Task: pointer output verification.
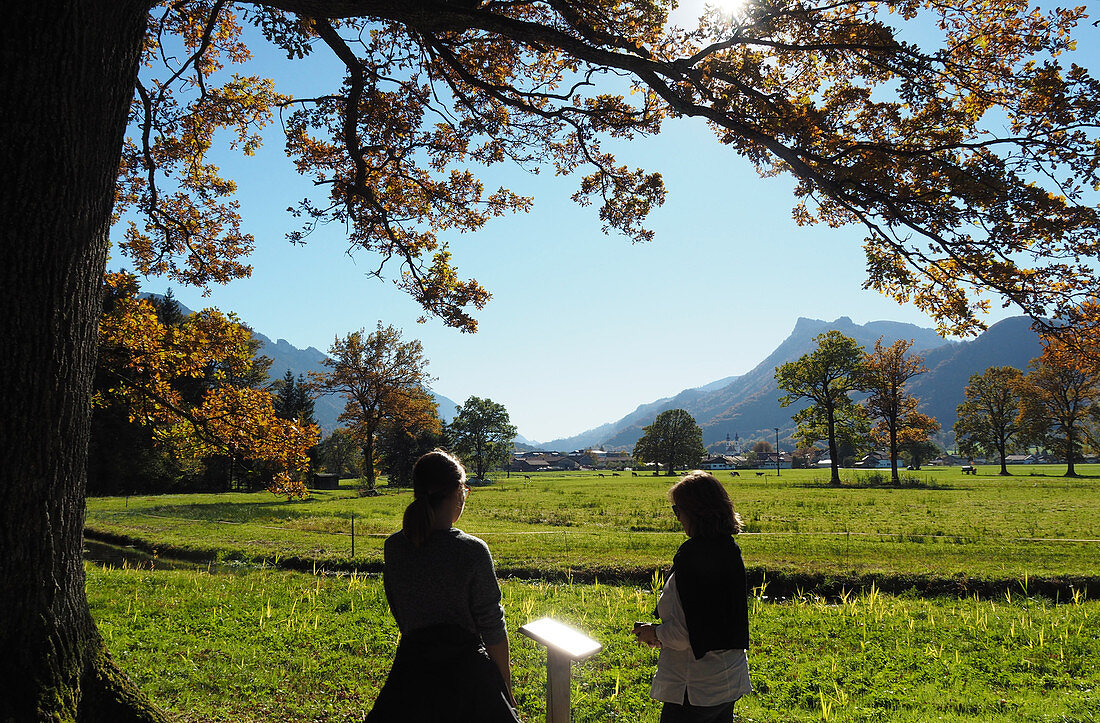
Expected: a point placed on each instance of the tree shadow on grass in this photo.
(1055, 476)
(880, 482)
(275, 509)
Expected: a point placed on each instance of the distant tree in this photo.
(400, 445)
(168, 309)
(481, 434)
(805, 457)
(674, 440)
(916, 451)
(826, 376)
(989, 418)
(763, 447)
(886, 371)
(232, 467)
(381, 378)
(123, 457)
(1058, 400)
(293, 399)
(339, 452)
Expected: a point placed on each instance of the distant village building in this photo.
(541, 461)
(529, 464)
(949, 460)
(874, 460)
(561, 462)
(727, 448)
(766, 460)
(722, 461)
(601, 459)
(614, 460)
(807, 457)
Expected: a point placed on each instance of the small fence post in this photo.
(353, 534)
(563, 645)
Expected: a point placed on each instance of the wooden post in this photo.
(558, 708)
(563, 645)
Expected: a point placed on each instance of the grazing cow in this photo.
(633, 474)
(526, 476)
(734, 474)
(759, 474)
(601, 474)
(614, 474)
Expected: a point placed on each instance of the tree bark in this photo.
(368, 461)
(69, 72)
(834, 463)
(894, 454)
(1071, 446)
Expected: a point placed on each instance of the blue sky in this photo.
(582, 327)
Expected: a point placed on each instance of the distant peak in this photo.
(805, 323)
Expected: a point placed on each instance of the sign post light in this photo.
(563, 645)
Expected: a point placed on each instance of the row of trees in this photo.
(185, 402)
(828, 376)
(390, 415)
(186, 399)
(1054, 405)
(480, 433)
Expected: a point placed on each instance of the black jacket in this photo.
(710, 578)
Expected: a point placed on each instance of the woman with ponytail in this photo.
(452, 663)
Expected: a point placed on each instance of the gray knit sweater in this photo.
(450, 579)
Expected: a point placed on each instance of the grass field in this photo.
(944, 529)
(258, 643)
(267, 645)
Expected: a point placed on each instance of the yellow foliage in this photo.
(966, 158)
(146, 361)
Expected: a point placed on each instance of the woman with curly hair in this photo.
(703, 635)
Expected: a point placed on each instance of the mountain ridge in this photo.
(748, 405)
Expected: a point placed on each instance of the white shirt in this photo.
(718, 677)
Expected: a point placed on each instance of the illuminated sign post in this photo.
(563, 645)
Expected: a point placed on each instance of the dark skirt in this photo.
(442, 673)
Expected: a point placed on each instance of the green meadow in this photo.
(951, 597)
(269, 645)
(941, 526)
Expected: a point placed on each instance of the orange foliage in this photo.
(886, 372)
(382, 379)
(147, 360)
(967, 159)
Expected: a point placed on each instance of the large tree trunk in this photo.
(1071, 447)
(834, 463)
(894, 454)
(68, 76)
(368, 463)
